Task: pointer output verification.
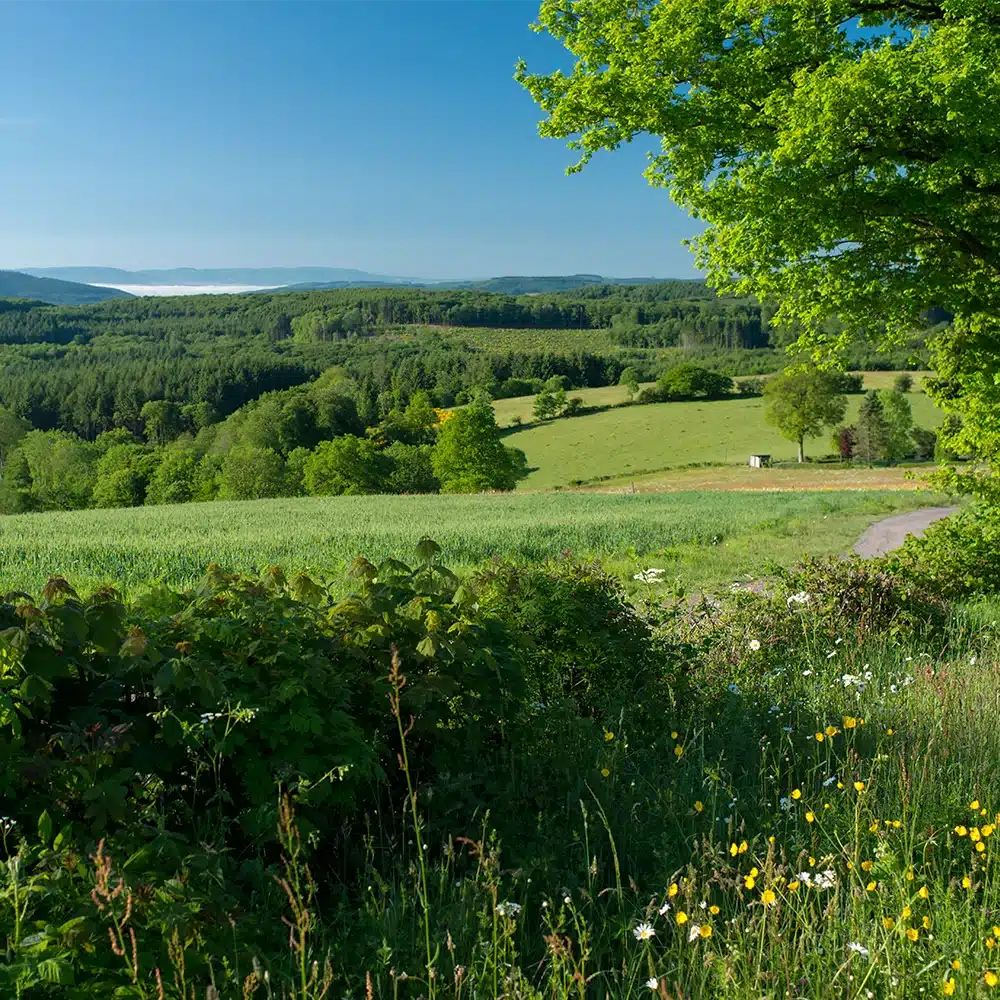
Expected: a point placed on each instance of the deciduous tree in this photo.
(801, 403)
(843, 155)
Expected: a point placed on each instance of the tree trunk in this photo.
(802, 455)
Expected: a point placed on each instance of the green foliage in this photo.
(692, 382)
(872, 431)
(346, 465)
(470, 457)
(957, 557)
(816, 199)
(801, 403)
(899, 425)
(903, 382)
(249, 472)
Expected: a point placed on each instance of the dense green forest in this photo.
(166, 400)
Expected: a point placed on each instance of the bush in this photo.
(692, 382)
(902, 383)
(750, 386)
(956, 557)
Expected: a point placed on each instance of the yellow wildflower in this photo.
(681, 918)
(604, 772)
(980, 846)
(810, 817)
(820, 737)
(733, 849)
(673, 735)
(850, 722)
(867, 866)
(991, 943)
(907, 912)
(870, 887)
(888, 923)
(927, 923)
(966, 882)
(678, 751)
(714, 910)
(859, 786)
(699, 806)
(874, 827)
(793, 886)
(608, 737)
(767, 897)
(796, 793)
(991, 979)
(974, 804)
(948, 987)
(705, 930)
(832, 730)
(956, 964)
(672, 891)
(923, 892)
(912, 933)
(974, 834)
(743, 847)
(962, 831)
(749, 881)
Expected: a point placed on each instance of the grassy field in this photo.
(784, 477)
(704, 539)
(637, 439)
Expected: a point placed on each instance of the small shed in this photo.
(760, 461)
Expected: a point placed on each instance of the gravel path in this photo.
(888, 535)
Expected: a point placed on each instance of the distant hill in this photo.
(510, 285)
(263, 276)
(54, 292)
(305, 279)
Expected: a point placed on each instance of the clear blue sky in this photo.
(388, 136)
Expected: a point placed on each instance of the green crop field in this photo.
(704, 538)
(659, 435)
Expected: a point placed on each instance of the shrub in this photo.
(750, 386)
(956, 557)
(691, 382)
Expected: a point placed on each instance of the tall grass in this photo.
(701, 537)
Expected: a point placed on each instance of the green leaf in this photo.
(45, 828)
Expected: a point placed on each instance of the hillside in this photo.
(636, 439)
(54, 291)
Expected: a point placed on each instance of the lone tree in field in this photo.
(801, 403)
(837, 170)
(470, 456)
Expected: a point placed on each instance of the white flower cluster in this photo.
(650, 576)
(818, 880)
(509, 909)
(800, 598)
(7, 824)
(207, 717)
(858, 949)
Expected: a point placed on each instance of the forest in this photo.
(91, 369)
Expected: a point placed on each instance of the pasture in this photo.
(700, 538)
(639, 439)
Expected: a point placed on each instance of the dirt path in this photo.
(889, 534)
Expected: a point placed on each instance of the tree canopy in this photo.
(844, 156)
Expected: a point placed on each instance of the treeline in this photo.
(94, 389)
(320, 316)
(306, 441)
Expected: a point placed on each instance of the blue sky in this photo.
(388, 136)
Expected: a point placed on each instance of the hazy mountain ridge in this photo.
(302, 279)
(54, 291)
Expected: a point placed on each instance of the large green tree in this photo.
(800, 403)
(470, 456)
(844, 156)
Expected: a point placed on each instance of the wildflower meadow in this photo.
(518, 783)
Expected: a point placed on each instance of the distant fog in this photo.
(185, 289)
